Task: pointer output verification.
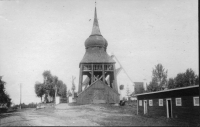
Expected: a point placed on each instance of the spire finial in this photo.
(95, 29)
(95, 3)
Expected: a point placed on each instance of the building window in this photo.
(160, 102)
(196, 101)
(150, 102)
(140, 102)
(178, 102)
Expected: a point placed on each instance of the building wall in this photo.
(154, 110)
(187, 111)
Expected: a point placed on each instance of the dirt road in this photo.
(32, 117)
(83, 115)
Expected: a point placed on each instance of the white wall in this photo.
(58, 100)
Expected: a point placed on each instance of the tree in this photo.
(159, 79)
(61, 89)
(48, 78)
(50, 83)
(64, 89)
(153, 86)
(39, 90)
(171, 83)
(188, 78)
(4, 97)
(52, 87)
(180, 80)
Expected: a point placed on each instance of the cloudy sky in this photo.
(38, 35)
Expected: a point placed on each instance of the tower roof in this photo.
(96, 46)
(96, 39)
(96, 55)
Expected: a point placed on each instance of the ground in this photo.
(84, 115)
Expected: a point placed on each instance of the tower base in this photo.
(97, 93)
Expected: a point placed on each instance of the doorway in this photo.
(145, 106)
(169, 107)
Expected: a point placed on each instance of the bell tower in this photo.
(96, 64)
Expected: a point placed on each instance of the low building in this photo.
(180, 103)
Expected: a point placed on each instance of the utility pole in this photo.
(20, 97)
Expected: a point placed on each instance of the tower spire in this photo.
(95, 29)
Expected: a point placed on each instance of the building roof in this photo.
(188, 87)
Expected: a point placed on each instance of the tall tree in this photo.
(4, 97)
(159, 79)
